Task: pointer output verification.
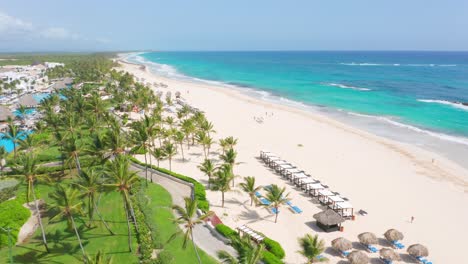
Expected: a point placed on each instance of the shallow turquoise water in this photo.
(414, 88)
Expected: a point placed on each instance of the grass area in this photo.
(64, 245)
(159, 198)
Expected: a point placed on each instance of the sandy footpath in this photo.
(389, 180)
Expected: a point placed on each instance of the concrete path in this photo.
(178, 190)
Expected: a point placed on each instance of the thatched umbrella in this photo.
(368, 238)
(28, 101)
(418, 250)
(341, 244)
(328, 219)
(393, 234)
(358, 257)
(389, 254)
(5, 113)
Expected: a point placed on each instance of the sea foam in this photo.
(444, 102)
(339, 85)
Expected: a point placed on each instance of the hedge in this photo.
(274, 247)
(198, 188)
(13, 215)
(225, 230)
(269, 258)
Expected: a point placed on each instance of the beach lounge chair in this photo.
(386, 261)
(345, 253)
(423, 260)
(397, 244)
(370, 248)
(296, 209)
(258, 195)
(264, 201)
(274, 211)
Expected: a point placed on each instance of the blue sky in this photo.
(66, 25)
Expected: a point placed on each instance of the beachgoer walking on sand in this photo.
(412, 219)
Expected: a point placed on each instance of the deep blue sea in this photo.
(416, 91)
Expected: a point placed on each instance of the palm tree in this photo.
(99, 258)
(73, 148)
(28, 143)
(276, 195)
(22, 111)
(159, 154)
(28, 167)
(189, 220)
(13, 134)
(66, 204)
(311, 248)
(248, 186)
(179, 137)
(141, 140)
(188, 128)
(247, 252)
(222, 180)
(227, 143)
(170, 151)
(208, 167)
(121, 180)
(230, 158)
(90, 185)
(3, 155)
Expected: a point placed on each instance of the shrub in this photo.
(274, 247)
(7, 193)
(13, 215)
(269, 258)
(165, 257)
(225, 231)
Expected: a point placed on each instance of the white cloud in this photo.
(58, 33)
(13, 26)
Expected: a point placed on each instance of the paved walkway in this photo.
(178, 190)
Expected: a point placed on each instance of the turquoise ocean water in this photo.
(405, 95)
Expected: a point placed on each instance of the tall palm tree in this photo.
(28, 143)
(89, 182)
(189, 129)
(229, 157)
(248, 186)
(66, 204)
(189, 220)
(179, 137)
(170, 151)
(276, 195)
(121, 179)
(72, 149)
(141, 142)
(311, 248)
(208, 167)
(159, 154)
(247, 252)
(27, 166)
(222, 180)
(227, 143)
(13, 134)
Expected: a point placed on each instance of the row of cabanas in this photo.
(387, 255)
(308, 184)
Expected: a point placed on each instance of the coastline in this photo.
(331, 151)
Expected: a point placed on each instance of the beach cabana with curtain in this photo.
(313, 189)
(328, 220)
(345, 209)
(323, 195)
(5, 113)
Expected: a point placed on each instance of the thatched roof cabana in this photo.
(418, 250)
(389, 254)
(28, 100)
(368, 238)
(393, 235)
(341, 244)
(329, 220)
(5, 113)
(358, 257)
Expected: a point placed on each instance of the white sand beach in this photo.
(390, 180)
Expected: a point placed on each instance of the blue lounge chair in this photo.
(345, 253)
(398, 244)
(372, 249)
(264, 201)
(386, 261)
(423, 260)
(273, 210)
(258, 194)
(289, 203)
(296, 209)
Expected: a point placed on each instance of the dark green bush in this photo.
(7, 193)
(225, 230)
(274, 247)
(165, 257)
(269, 258)
(12, 215)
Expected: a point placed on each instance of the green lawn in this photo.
(64, 246)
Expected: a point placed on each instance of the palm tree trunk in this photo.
(132, 212)
(222, 194)
(151, 165)
(195, 247)
(44, 240)
(170, 163)
(102, 219)
(146, 169)
(129, 230)
(77, 235)
(276, 215)
(91, 205)
(182, 150)
(78, 165)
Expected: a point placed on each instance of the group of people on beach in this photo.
(260, 119)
